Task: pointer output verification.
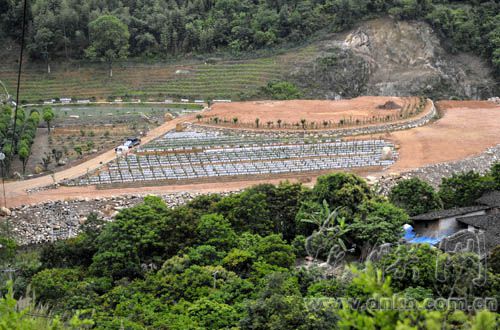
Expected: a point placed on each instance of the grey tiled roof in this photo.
(492, 239)
(464, 241)
(490, 224)
(485, 222)
(491, 199)
(441, 214)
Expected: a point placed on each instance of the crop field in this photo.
(107, 114)
(79, 132)
(194, 140)
(215, 155)
(184, 79)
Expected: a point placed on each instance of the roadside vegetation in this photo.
(269, 257)
(59, 135)
(17, 137)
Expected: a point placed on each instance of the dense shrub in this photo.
(223, 262)
(415, 196)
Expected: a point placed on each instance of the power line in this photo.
(19, 77)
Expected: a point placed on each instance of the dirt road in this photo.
(466, 129)
(16, 191)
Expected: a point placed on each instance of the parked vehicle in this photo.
(132, 142)
(122, 150)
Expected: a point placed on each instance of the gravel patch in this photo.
(434, 173)
(50, 221)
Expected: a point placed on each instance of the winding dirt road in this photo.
(16, 191)
(467, 128)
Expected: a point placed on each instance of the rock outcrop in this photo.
(387, 57)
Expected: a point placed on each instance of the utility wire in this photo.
(19, 78)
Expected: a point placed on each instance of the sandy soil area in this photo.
(466, 129)
(364, 107)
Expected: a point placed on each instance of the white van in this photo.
(121, 150)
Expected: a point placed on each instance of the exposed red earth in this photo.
(317, 111)
(466, 128)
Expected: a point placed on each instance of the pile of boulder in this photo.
(434, 173)
(495, 99)
(50, 221)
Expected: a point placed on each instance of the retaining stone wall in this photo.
(412, 123)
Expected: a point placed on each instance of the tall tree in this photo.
(377, 223)
(42, 43)
(463, 189)
(48, 116)
(109, 40)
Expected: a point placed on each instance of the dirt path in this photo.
(466, 129)
(16, 191)
(37, 153)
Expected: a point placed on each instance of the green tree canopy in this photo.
(214, 229)
(463, 189)
(109, 40)
(495, 174)
(281, 90)
(48, 116)
(377, 223)
(415, 196)
(341, 190)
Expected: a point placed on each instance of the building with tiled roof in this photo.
(439, 224)
(488, 224)
(491, 199)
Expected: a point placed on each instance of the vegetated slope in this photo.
(388, 57)
(378, 57)
(214, 78)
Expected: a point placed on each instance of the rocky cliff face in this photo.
(387, 57)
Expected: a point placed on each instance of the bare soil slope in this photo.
(387, 57)
(364, 107)
(467, 128)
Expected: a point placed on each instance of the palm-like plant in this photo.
(303, 122)
(330, 232)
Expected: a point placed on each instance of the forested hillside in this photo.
(270, 257)
(162, 28)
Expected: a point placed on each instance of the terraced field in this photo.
(188, 79)
(102, 115)
(193, 155)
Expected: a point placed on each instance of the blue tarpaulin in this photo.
(411, 237)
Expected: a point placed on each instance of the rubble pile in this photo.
(433, 173)
(32, 224)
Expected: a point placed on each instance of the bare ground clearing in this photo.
(466, 129)
(293, 111)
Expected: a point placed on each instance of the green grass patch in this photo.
(223, 79)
